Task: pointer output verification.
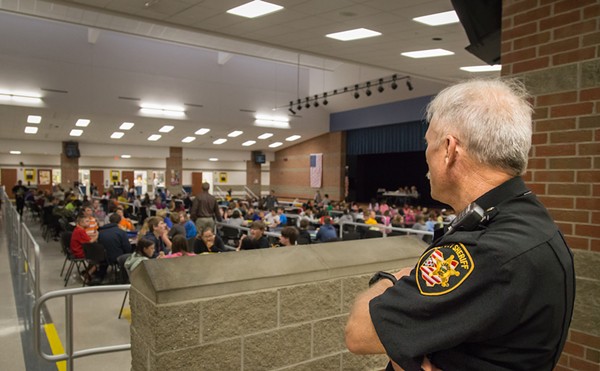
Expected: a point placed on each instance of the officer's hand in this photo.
(403, 272)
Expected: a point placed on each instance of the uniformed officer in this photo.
(496, 291)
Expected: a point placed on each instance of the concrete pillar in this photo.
(253, 177)
(69, 169)
(174, 170)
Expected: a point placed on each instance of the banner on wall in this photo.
(114, 176)
(44, 177)
(29, 175)
(175, 177)
(316, 170)
(222, 177)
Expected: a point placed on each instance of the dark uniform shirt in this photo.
(498, 297)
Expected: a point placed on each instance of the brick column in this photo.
(69, 169)
(253, 177)
(554, 47)
(174, 170)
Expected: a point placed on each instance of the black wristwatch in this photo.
(381, 275)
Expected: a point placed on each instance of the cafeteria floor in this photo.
(95, 315)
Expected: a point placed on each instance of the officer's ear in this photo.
(451, 146)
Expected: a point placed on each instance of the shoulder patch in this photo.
(443, 268)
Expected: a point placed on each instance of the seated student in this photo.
(114, 240)
(327, 232)
(371, 220)
(207, 242)
(143, 251)
(289, 236)
(80, 236)
(157, 233)
(190, 227)
(179, 247)
(282, 218)
(235, 219)
(178, 227)
(304, 236)
(256, 238)
(125, 223)
(165, 215)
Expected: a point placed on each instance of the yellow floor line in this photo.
(55, 344)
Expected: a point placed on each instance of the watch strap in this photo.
(382, 275)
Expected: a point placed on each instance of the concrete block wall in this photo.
(271, 309)
(554, 47)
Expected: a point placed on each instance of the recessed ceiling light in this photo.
(358, 33)
(438, 19)
(117, 135)
(15, 152)
(33, 119)
(20, 97)
(272, 122)
(154, 137)
(220, 141)
(76, 132)
(254, 9)
(427, 53)
(248, 143)
(166, 129)
(275, 145)
(31, 129)
(213, 159)
(235, 133)
(265, 136)
(484, 68)
(188, 139)
(82, 123)
(126, 125)
(152, 109)
(125, 156)
(202, 131)
(293, 138)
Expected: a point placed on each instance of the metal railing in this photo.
(249, 192)
(247, 229)
(384, 229)
(70, 355)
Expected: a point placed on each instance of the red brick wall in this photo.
(289, 174)
(554, 47)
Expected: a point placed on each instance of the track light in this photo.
(367, 85)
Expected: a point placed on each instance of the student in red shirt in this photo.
(81, 236)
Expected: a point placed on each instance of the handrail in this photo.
(249, 191)
(35, 273)
(247, 229)
(384, 228)
(70, 355)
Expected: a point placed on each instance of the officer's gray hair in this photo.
(490, 117)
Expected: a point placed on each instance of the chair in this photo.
(369, 233)
(79, 263)
(94, 253)
(350, 235)
(121, 263)
(230, 234)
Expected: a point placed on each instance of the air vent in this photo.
(129, 98)
(194, 105)
(247, 110)
(55, 90)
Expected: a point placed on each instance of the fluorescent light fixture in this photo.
(438, 19)
(202, 131)
(166, 129)
(235, 133)
(254, 9)
(248, 143)
(126, 125)
(188, 139)
(265, 136)
(293, 138)
(76, 132)
(82, 123)
(484, 68)
(151, 109)
(272, 122)
(15, 152)
(428, 53)
(358, 33)
(125, 156)
(154, 137)
(117, 135)
(20, 97)
(220, 141)
(275, 145)
(213, 159)
(31, 129)
(33, 119)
